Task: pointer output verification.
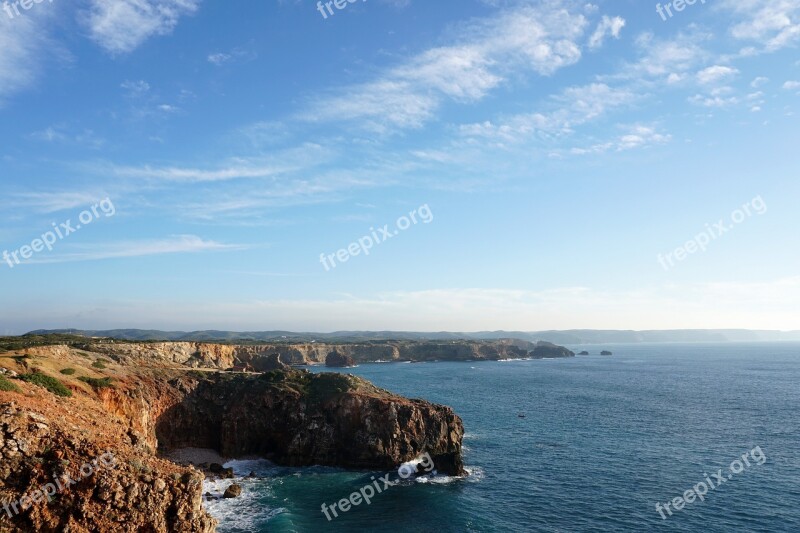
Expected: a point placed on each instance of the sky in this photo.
(399, 165)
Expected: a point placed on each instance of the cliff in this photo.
(262, 356)
(139, 400)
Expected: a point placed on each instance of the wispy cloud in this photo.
(608, 26)
(573, 107)
(637, 136)
(178, 244)
(121, 26)
(60, 133)
(538, 40)
(24, 46)
(235, 55)
(52, 202)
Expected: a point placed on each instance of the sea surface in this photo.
(603, 439)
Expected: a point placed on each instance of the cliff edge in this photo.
(62, 408)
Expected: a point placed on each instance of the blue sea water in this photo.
(602, 441)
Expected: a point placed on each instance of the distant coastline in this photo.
(562, 337)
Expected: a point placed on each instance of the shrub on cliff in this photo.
(97, 383)
(47, 382)
(99, 364)
(325, 386)
(68, 371)
(7, 386)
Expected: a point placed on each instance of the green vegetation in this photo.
(47, 382)
(318, 388)
(325, 386)
(68, 371)
(99, 364)
(7, 385)
(97, 383)
(51, 339)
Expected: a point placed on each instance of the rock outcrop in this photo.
(233, 491)
(548, 350)
(337, 360)
(298, 418)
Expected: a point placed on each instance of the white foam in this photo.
(474, 475)
(244, 511)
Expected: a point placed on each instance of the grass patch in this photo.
(68, 371)
(47, 382)
(8, 385)
(97, 383)
(99, 364)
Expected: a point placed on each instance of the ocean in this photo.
(602, 441)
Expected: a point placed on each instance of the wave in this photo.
(474, 475)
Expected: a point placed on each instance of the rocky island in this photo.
(63, 406)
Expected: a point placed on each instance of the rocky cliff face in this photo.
(64, 470)
(297, 418)
(223, 356)
(137, 402)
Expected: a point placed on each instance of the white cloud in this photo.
(771, 24)
(235, 55)
(638, 136)
(791, 85)
(193, 175)
(51, 202)
(24, 45)
(177, 244)
(713, 100)
(573, 107)
(63, 134)
(135, 89)
(607, 26)
(759, 82)
(219, 58)
(539, 40)
(715, 74)
(121, 26)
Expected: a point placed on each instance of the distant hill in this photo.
(570, 337)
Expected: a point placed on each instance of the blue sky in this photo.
(560, 148)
